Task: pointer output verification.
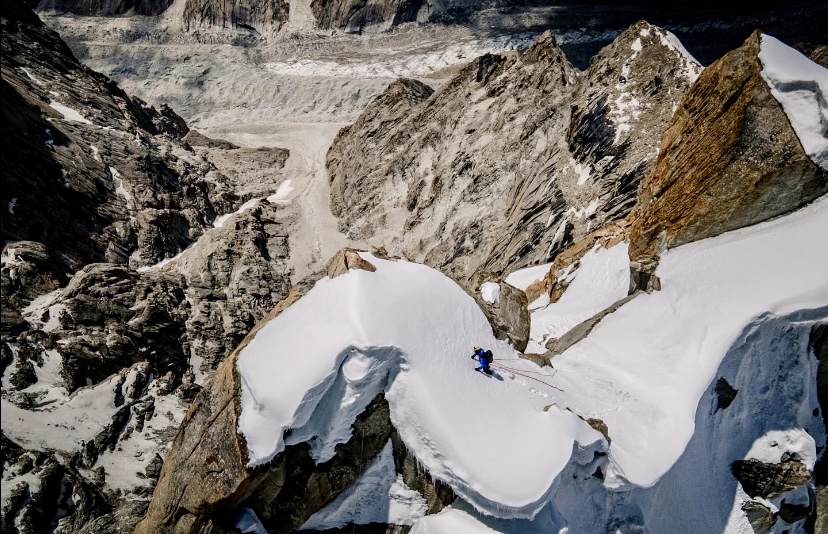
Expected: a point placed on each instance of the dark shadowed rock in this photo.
(356, 15)
(93, 174)
(760, 517)
(760, 479)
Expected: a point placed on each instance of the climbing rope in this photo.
(523, 374)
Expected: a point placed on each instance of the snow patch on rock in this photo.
(490, 292)
(801, 87)
(69, 114)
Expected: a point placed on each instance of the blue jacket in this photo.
(479, 355)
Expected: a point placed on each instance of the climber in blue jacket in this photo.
(485, 358)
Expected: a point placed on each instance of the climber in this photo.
(484, 357)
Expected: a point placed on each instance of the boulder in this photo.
(761, 479)
(728, 159)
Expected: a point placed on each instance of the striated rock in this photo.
(728, 159)
(513, 160)
(356, 15)
(256, 15)
(760, 479)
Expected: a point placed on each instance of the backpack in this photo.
(488, 357)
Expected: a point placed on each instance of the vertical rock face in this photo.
(98, 7)
(95, 185)
(355, 15)
(728, 159)
(514, 159)
(260, 15)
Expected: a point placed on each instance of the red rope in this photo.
(521, 373)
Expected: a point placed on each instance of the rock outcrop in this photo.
(728, 159)
(514, 159)
(356, 15)
(262, 16)
(106, 8)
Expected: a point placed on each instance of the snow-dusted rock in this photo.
(514, 159)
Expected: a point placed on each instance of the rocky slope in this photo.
(93, 159)
(516, 157)
(101, 333)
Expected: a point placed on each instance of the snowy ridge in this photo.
(413, 341)
(643, 369)
(801, 87)
(407, 330)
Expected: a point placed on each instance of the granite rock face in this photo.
(728, 159)
(513, 160)
(257, 15)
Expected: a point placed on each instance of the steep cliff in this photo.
(514, 158)
(259, 15)
(730, 156)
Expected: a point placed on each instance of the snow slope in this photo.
(407, 330)
(643, 369)
(801, 87)
(601, 280)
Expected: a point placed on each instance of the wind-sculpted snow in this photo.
(407, 330)
(801, 87)
(643, 369)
